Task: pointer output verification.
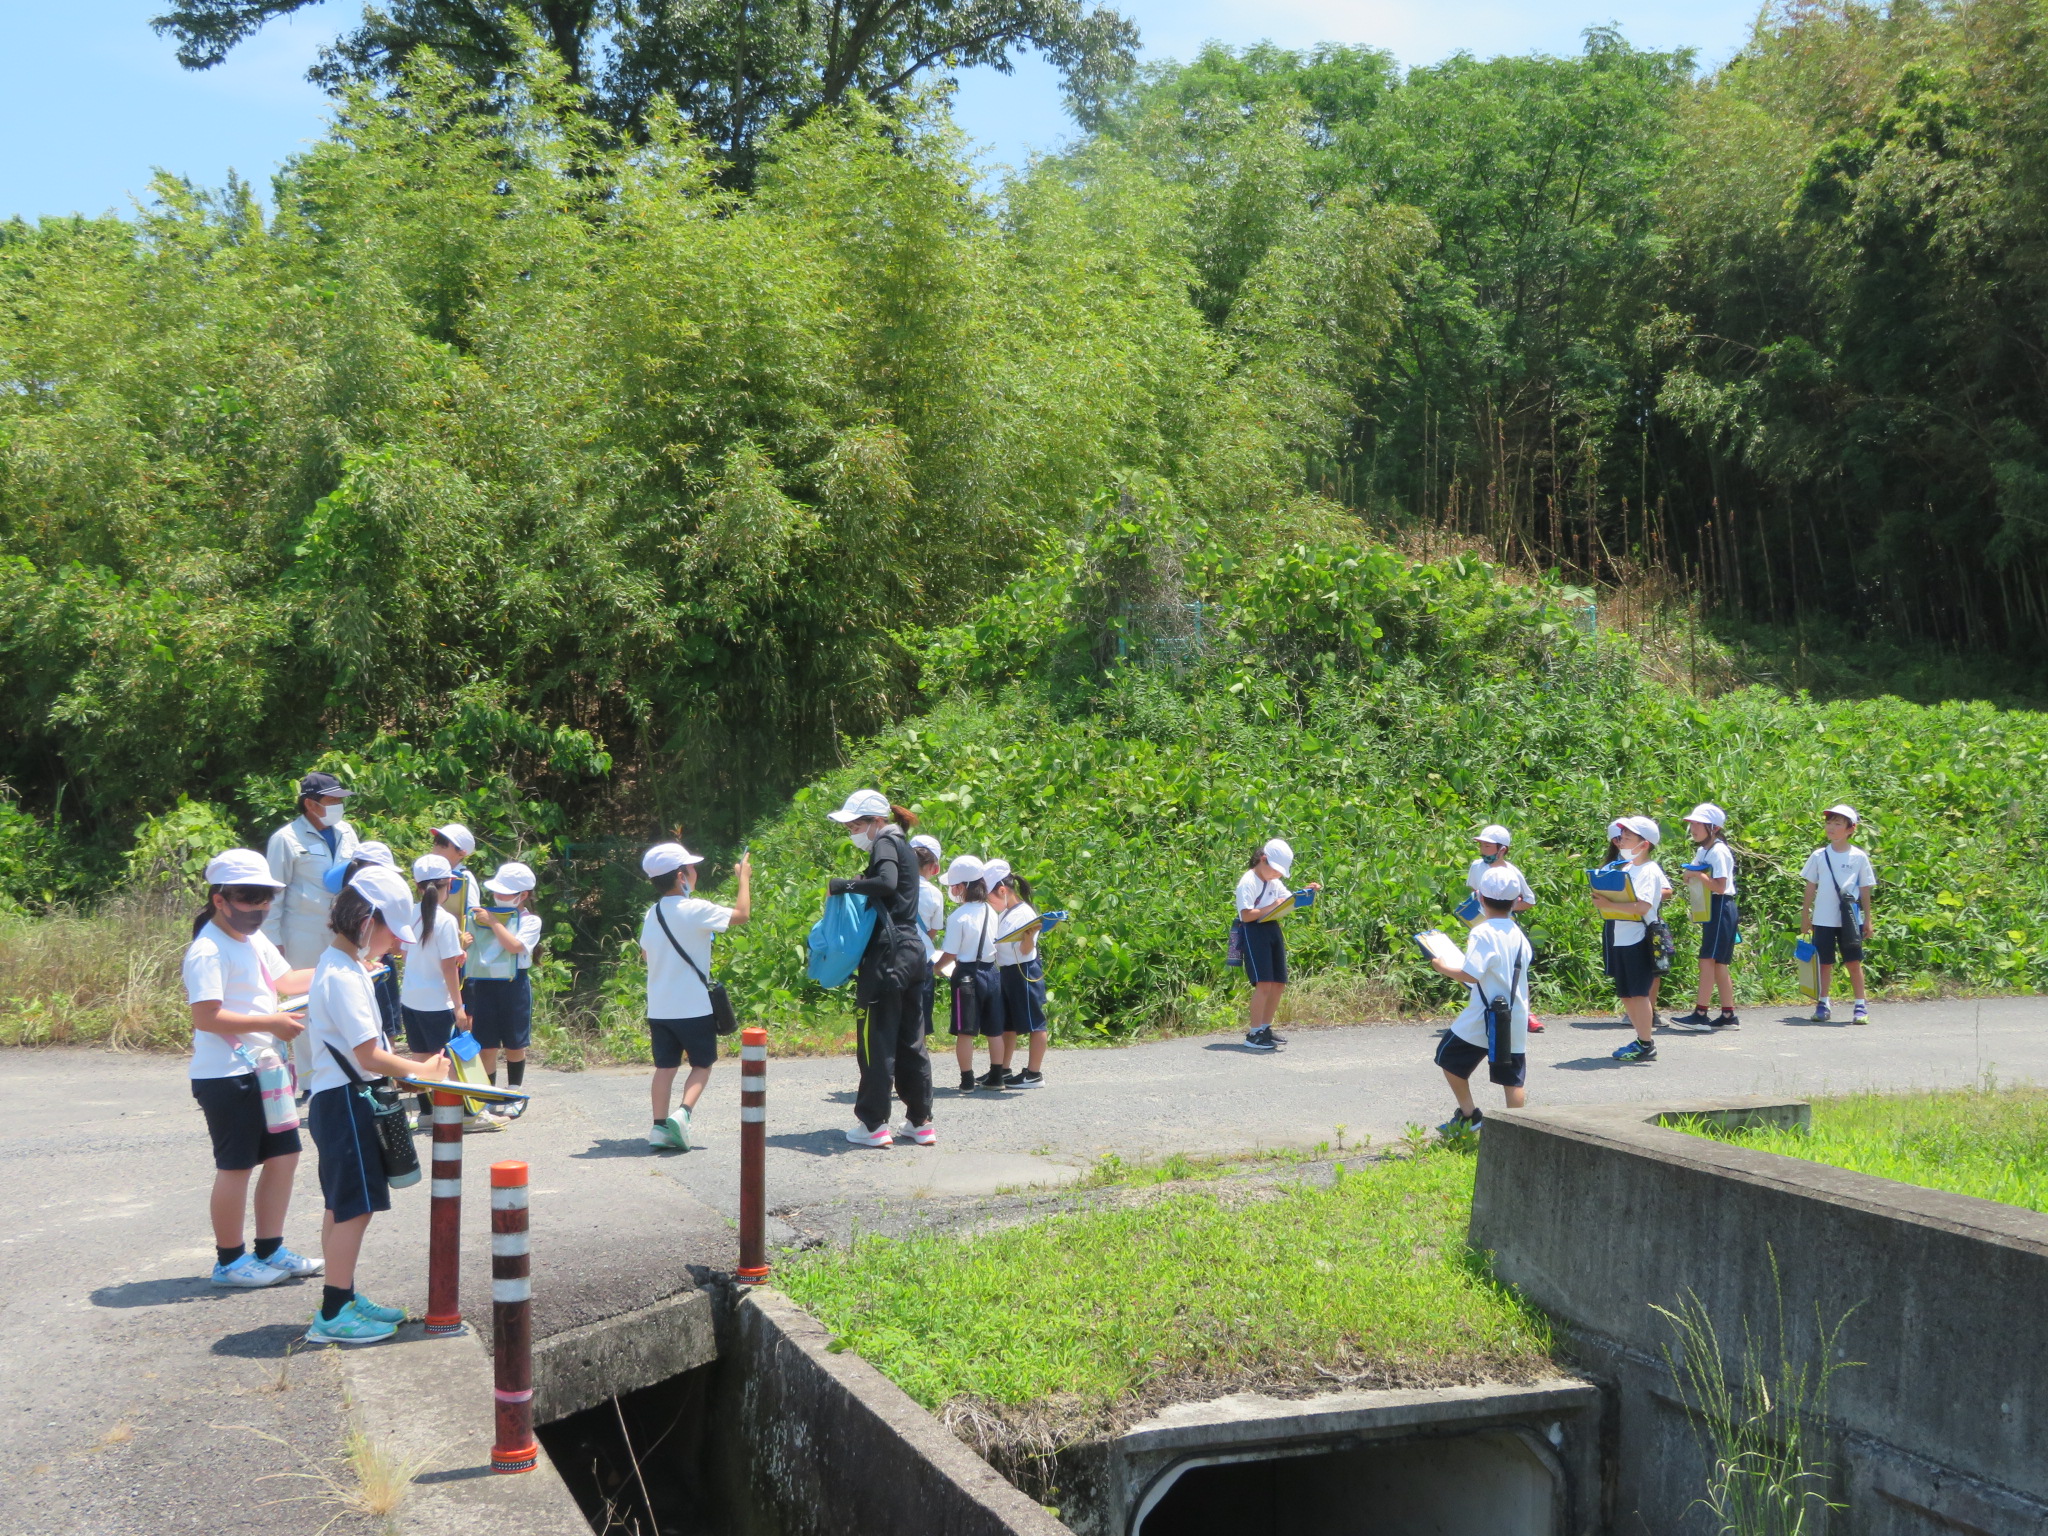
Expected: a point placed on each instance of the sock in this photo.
(227, 1255)
(515, 1073)
(332, 1299)
(427, 1106)
(266, 1246)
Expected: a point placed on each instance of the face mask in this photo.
(243, 920)
(324, 815)
(861, 840)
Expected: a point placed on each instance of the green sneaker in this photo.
(348, 1326)
(377, 1314)
(667, 1136)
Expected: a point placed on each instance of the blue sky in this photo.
(91, 101)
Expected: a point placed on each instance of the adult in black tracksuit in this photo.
(890, 1042)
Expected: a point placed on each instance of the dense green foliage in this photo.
(1988, 1142)
(1369, 1273)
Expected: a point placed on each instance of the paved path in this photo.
(117, 1363)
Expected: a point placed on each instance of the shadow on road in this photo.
(171, 1292)
(826, 1143)
(273, 1341)
(618, 1146)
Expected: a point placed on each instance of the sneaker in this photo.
(1637, 1050)
(967, 1082)
(482, 1122)
(1028, 1079)
(348, 1326)
(516, 1108)
(376, 1314)
(248, 1273)
(1859, 1012)
(1820, 1014)
(1698, 1022)
(666, 1136)
(861, 1136)
(683, 1125)
(1261, 1040)
(994, 1077)
(1460, 1124)
(296, 1265)
(1727, 1020)
(926, 1135)
(1535, 1025)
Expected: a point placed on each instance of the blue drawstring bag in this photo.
(840, 938)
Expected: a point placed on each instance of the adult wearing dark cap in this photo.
(301, 852)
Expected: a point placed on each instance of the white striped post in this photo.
(444, 1221)
(753, 1268)
(516, 1449)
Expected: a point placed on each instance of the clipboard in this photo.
(1607, 885)
(1438, 945)
(1041, 925)
(1301, 899)
(475, 1093)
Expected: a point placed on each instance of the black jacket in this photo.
(895, 957)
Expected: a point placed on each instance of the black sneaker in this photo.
(1728, 1020)
(1698, 1022)
(994, 1077)
(1028, 1079)
(967, 1082)
(1261, 1040)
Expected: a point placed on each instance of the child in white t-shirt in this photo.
(1712, 870)
(969, 948)
(675, 940)
(1020, 977)
(501, 1007)
(1496, 967)
(1630, 959)
(430, 995)
(1261, 893)
(931, 920)
(1493, 841)
(1839, 886)
(233, 973)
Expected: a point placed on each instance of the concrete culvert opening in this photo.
(639, 1463)
(1495, 1481)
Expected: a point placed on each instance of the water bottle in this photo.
(274, 1083)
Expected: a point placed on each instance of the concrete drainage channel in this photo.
(778, 1434)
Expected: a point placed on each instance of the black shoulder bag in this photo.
(1663, 948)
(395, 1150)
(723, 1020)
(1500, 1015)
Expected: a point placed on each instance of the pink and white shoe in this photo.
(926, 1135)
(861, 1136)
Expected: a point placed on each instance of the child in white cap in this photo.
(430, 996)
(499, 987)
(1839, 886)
(1261, 893)
(675, 940)
(931, 919)
(969, 946)
(1496, 968)
(370, 918)
(1630, 961)
(1713, 869)
(1493, 840)
(233, 974)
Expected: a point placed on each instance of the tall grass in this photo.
(1986, 1141)
(109, 976)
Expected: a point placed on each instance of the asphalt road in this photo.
(135, 1399)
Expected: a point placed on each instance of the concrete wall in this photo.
(1598, 1214)
(582, 1367)
(809, 1442)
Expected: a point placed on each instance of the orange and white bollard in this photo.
(444, 1221)
(516, 1449)
(753, 1268)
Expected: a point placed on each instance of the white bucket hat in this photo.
(1708, 814)
(964, 870)
(1494, 832)
(388, 894)
(861, 803)
(665, 859)
(241, 866)
(1499, 884)
(512, 878)
(1278, 854)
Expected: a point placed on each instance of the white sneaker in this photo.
(247, 1273)
(926, 1135)
(666, 1136)
(861, 1136)
(484, 1122)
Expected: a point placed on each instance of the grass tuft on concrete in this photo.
(1365, 1279)
(1987, 1141)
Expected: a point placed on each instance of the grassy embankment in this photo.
(1988, 1142)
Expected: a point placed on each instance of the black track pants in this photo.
(890, 1046)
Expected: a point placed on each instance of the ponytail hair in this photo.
(904, 816)
(1257, 854)
(206, 912)
(1019, 884)
(350, 916)
(430, 907)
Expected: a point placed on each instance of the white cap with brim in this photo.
(1499, 884)
(431, 866)
(666, 859)
(390, 896)
(861, 804)
(1847, 813)
(1644, 828)
(372, 852)
(1708, 814)
(964, 870)
(930, 845)
(1279, 855)
(1615, 829)
(995, 872)
(456, 833)
(241, 866)
(1494, 832)
(512, 878)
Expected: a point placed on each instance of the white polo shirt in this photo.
(425, 987)
(341, 1011)
(239, 974)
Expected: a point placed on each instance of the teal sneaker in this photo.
(348, 1326)
(667, 1136)
(297, 1265)
(682, 1125)
(377, 1314)
(1637, 1050)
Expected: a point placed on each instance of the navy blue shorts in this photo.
(233, 1107)
(352, 1181)
(427, 1029)
(1848, 942)
(1020, 990)
(1717, 933)
(500, 1012)
(1632, 969)
(977, 1009)
(1265, 953)
(1461, 1058)
(673, 1039)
